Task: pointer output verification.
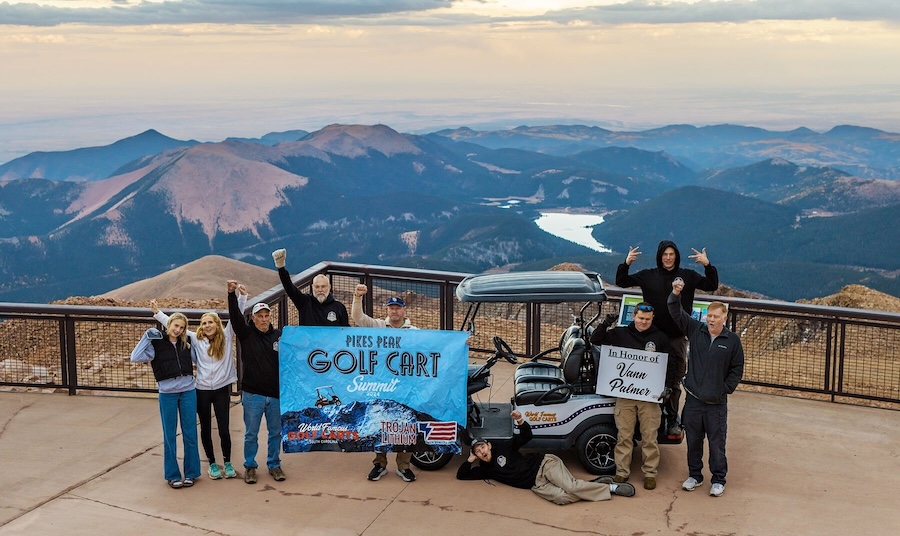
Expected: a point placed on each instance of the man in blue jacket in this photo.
(714, 372)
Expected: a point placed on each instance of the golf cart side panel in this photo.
(532, 287)
(557, 421)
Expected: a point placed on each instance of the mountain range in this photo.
(458, 200)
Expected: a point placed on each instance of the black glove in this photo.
(609, 320)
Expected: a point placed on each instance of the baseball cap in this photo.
(260, 306)
(395, 300)
(478, 441)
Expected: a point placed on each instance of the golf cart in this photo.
(325, 397)
(556, 395)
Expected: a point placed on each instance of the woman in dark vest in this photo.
(169, 354)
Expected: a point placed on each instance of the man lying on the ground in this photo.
(544, 474)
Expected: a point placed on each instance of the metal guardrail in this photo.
(834, 353)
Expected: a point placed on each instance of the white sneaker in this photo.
(690, 484)
(717, 490)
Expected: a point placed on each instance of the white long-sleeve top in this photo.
(212, 373)
(365, 321)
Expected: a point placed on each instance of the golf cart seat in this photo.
(540, 393)
(571, 351)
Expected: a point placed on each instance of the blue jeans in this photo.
(255, 406)
(175, 407)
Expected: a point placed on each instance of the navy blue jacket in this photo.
(715, 367)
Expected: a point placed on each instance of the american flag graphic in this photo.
(438, 432)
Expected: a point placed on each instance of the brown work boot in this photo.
(650, 483)
(277, 473)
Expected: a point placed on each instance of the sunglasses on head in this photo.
(645, 308)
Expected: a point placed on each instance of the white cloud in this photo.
(677, 12)
(438, 12)
(205, 11)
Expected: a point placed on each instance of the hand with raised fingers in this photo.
(632, 255)
(700, 257)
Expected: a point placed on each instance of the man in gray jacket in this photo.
(714, 370)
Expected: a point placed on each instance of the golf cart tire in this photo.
(431, 461)
(596, 449)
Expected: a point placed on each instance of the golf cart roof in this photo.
(532, 287)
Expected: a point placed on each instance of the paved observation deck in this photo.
(88, 465)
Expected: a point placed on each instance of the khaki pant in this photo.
(402, 459)
(555, 483)
(628, 413)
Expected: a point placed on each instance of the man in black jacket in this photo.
(640, 334)
(716, 367)
(544, 474)
(259, 384)
(656, 284)
(318, 309)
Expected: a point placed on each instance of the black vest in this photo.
(171, 360)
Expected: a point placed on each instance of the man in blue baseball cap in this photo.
(395, 309)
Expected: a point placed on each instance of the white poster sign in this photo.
(630, 373)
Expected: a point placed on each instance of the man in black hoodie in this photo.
(640, 334)
(656, 284)
(318, 309)
(259, 384)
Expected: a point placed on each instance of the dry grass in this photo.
(783, 351)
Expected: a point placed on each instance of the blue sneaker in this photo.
(229, 470)
(214, 472)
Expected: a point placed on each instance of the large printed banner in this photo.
(629, 373)
(372, 389)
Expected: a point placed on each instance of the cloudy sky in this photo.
(77, 73)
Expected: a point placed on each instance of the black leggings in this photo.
(220, 400)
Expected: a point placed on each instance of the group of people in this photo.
(185, 395)
(661, 323)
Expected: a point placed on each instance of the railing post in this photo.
(840, 337)
(447, 295)
(533, 329)
(71, 359)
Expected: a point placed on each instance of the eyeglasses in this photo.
(645, 308)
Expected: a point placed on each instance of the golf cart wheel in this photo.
(596, 449)
(431, 461)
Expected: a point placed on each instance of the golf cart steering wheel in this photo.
(505, 351)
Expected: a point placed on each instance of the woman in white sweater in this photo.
(213, 348)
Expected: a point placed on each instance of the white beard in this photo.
(321, 298)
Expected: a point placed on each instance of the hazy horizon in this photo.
(82, 73)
